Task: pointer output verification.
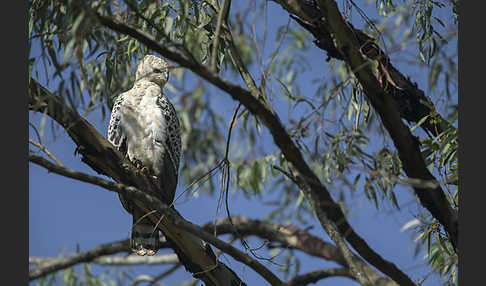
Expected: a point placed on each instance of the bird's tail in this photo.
(145, 236)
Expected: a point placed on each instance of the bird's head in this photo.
(153, 69)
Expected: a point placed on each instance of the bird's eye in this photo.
(158, 70)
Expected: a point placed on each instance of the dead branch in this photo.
(44, 149)
(63, 263)
(50, 266)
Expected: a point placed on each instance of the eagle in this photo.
(145, 128)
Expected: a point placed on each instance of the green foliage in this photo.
(335, 127)
(439, 253)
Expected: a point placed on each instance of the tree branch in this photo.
(44, 149)
(313, 277)
(357, 269)
(286, 236)
(166, 213)
(412, 103)
(48, 267)
(196, 256)
(106, 260)
(292, 237)
(408, 149)
(320, 194)
(222, 18)
(153, 280)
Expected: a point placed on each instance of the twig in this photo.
(135, 260)
(222, 17)
(413, 182)
(230, 130)
(52, 266)
(227, 173)
(44, 149)
(70, 173)
(154, 279)
(36, 132)
(313, 277)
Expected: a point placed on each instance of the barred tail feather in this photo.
(145, 236)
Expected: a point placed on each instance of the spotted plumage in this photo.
(144, 127)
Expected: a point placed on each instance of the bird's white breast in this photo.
(143, 121)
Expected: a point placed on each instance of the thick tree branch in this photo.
(411, 101)
(408, 149)
(357, 270)
(170, 215)
(323, 199)
(286, 236)
(292, 237)
(99, 154)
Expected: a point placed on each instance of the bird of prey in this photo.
(145, 128)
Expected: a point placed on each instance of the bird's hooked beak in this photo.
(170, 67)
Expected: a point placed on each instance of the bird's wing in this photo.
(170, 138)
(116, 135)
(118, 138)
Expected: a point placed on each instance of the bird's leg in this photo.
(140, 166)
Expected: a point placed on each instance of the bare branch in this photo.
(70, 173)
(313, 277)
(147, 278)
(44, 149)
(222, 18)
(102, 254)
(108, 259)
(135, 260)
(49, 267)
(292, 237)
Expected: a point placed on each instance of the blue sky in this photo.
(65, 214)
